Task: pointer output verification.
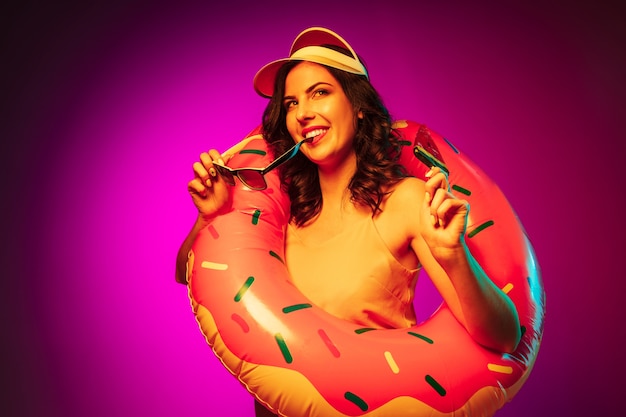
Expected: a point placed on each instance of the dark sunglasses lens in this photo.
(225, 174)
(253, 179)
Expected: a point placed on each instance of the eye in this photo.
(320, 92)
(290, 104)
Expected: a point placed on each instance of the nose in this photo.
(304, 112)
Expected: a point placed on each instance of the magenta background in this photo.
(107, 106)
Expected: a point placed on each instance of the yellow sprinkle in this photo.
(392, 363)
(507, 288)
(213, 265)
(499, 368)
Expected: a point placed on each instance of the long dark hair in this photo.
(377, 148)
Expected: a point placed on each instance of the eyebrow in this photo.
(308, 90)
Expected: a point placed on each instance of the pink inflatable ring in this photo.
(299, 360)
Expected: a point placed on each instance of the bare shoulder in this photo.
(407, 194)
(398, 222)
(402, 205)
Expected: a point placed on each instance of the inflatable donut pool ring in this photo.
(298, 360)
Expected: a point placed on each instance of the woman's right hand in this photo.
(211, 196)
(209, 192)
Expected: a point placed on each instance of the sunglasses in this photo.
(254, 178)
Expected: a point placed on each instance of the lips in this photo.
(314, 133)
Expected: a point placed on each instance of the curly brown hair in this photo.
(376, 146)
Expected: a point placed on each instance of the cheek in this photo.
(350, 122)
(348, 113)
(291, 123)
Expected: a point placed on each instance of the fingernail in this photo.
(213, 172)
(427, 197)
(440, 222)
(429, 173)
(433, 220)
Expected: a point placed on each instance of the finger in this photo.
(205, 170)
(436, 181)
(433, 170)
(205, 162)
(209, 158)
(195, 186)
(440, 195)
(425, 211)
(226, 158)
(432, 203)
(216, 156)
(449, 208)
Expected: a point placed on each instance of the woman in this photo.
(360, 229)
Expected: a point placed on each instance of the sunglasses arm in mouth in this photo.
(253, 178)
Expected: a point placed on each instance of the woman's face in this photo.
(318, 107)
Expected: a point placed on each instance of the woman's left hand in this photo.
(443, 216)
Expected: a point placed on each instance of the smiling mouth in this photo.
(314, 133)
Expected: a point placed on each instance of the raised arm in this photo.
(439, 242)
(211, 196)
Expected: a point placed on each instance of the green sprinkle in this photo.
(254, 151)
(356, 400)
(243, 289)
(363, 330)
(296, 307)
(480, 228)
(461, 189)
(283, 347)
(405, 142)
(275, 255)
(424, 338)
(431, 381)
(255, 217)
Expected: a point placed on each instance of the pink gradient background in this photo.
(108, 105)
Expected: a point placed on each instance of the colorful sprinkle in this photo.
(213, 231)
(391, 362)
(296, 307)
(255, 217)
(243, 289)
(214, 265)
(275, 255)
(283, 347)
(480, 228)
(461, 190)
(431, 381)
(507, 288)
(356, 400)
(364, 329)
(253, 151)
(329, 343)
(419, 336)
(241, 322)
(499, 368)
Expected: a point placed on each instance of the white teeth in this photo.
(314, 133)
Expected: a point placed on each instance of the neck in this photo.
(334, 184)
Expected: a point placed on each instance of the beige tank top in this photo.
(354, 276)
